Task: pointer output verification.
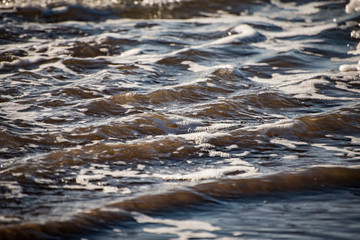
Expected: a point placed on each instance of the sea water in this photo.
(181, 119)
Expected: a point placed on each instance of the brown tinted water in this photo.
(178, 120)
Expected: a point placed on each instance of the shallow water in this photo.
(179, 120)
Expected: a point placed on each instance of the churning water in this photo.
(183, 119)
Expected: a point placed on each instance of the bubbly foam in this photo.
(352, 7)
(211, 173)
(184, 229)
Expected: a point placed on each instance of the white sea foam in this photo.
(11, 190)
(111, 189)
(202, 137)
(352, 7)
(195, 67)
(159, 2)
(234, 146)
(131, 52)
(209, 173)
(299, 9)
(302, 86)
(183, 229)
(235, 161)
(243, 32)
(179, 224)
(215, 127)
(349, 152)
(213, 153)
(15, 110)
(354, 140)
(23, 62)
(94, 177)
(287, 142)
(348, 68)
(344, 86)
(281, 128)
(290, 157)
(300, 30)
(9, 219)
(333, 166)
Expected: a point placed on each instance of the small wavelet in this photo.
(120, 115)
(313, 179)
(57, 10)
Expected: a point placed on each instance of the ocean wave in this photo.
(104, 104)
(314, 180)
(58, 10)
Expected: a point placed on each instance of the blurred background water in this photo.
(180, 119)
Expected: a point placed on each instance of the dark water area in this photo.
(179, 119)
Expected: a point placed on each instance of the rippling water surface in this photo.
(184, 119)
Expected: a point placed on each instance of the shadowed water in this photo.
(163, 119)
